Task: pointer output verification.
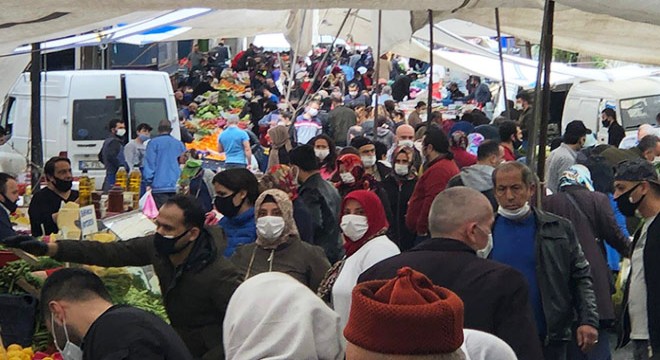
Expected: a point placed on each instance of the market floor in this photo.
(622, 354)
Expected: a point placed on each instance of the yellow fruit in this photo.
(29, 352)
(14, 353)
(14, 347)
(47, 358)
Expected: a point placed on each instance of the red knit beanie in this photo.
(405, 315)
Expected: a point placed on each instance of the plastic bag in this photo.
(148, 205)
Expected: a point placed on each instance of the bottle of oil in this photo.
(85, 189)
(134, 180)
(121, 178)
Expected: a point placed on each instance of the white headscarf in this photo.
(274, 316)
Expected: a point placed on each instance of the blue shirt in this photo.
(514, 244)
(348, 71)
(161, 163)
(232, 142)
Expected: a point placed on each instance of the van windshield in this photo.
(637, 111)
(91, 118)
(149, 111)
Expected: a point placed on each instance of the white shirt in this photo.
(371, 253)
(637, 309)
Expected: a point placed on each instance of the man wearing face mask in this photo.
(308, 124)
(112, 152)
(615, 131)
(494, 295)
(439, 169)
(511, 139)
(135, 149)
(405, 136)
(8, 199)
(46, 202)
(565, 156)
(526, 117)
(637, 190)
(196, 282)
(367, 151)
(545, 249)
(354, 98)
(86, 325)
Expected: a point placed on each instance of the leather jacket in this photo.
(564, 278)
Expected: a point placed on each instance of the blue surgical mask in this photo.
(144, 138)
(71, 351)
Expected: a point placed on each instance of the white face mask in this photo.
(121, 132)
(515, 214)
(401, 169)
(424, 117)
(518, 106)
(347, 178)
(407, 143)
(313, 112)
(248, 95)
(368, 161)
(270, 227)
(354, 226)
(71, 351)
(483, 253)
(321, 154)
(353, 93)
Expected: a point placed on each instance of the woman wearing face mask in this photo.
(278, 246)
(326, 153)
(236, 190)
(281, 177)
(351, 176)
(399, 186)
(365, 241)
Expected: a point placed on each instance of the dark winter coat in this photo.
(399, 192)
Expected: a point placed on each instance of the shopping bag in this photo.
(148, 205)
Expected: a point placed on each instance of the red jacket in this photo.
(433, 181)
(508, 154)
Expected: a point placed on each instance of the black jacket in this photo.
(652, 277)
(195, 294)
(564, 278)
(495, 295)
(6, 228)
(124, 332)
(616, 133)
(323, 202)
(399, 192)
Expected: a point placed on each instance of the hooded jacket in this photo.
(288, 254)
(260, 324)
(240, 229)
(478, 177)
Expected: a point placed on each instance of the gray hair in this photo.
(233, 120)
(455, 207)
(387, 90)
(528, 177)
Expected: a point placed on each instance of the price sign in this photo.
(88, 223)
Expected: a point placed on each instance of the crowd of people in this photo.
(367, 234)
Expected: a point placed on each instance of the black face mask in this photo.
(11, 206)
(167, 246)
(626, 207)
(62, 185)
(517, 144)
(605, 123)
(225, 205)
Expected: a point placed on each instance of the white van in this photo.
(636, 102)
(76, 107)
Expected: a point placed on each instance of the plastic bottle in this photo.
(85, 189)
(134, 181)
(121, 178)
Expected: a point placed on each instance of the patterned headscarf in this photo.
(412, 172)
(474, 140)
(577, 175)
(286, 207)
(281, 177)
(279, 138)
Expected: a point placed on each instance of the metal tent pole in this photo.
(429, 107)
(36, 150)
(380, 25)
(499, 43)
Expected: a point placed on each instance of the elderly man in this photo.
(495, 295)
(405, 136)
(545, 249)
